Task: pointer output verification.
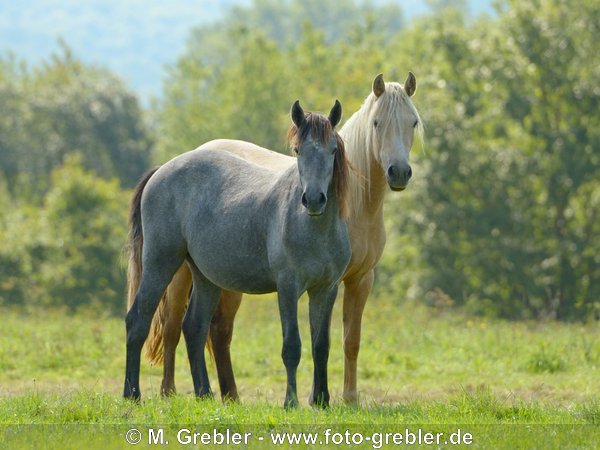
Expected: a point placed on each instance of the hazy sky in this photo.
(133, 38)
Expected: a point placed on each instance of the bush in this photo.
(68, 252)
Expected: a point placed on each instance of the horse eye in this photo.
(416, 123)
(375, 124)
(295, 150)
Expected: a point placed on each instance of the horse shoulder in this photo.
(367, 241)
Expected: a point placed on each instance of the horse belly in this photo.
(248, 282)
(236, 270)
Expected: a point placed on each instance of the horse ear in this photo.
(378, 85)
(335, 114)
(410, 85)
(297, 114)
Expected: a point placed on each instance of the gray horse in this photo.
(244, 228)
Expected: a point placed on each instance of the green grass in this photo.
(535, 384)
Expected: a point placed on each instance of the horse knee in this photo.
(221, 333)
(351, 348)
(136, 337)
(291, 355)
(131, 318)
(137, 329)
(172, 332)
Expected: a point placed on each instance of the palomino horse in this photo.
(378, 140)
(245, 228)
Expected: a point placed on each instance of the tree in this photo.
(238, 78)
(87, 219)
(63, 106)
(68, 252)
(510, 110)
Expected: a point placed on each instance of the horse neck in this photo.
(375, 191)
(370, 203)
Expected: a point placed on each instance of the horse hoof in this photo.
(322, 404)
(205, 396)
(318, 402)
(291, 403)
(168, 392)
(351, 398)
(230, 397)
(133, 396)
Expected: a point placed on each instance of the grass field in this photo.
(512, 385)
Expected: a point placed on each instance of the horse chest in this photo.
(319, 261)
(367, 243)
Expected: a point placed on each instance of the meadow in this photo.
(510, 384)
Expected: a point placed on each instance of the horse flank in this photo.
(320, 128)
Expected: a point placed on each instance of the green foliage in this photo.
(502, 216)
(87, 221)
(61, 107)
(507, 217)
(70, 135)
(238, 80)
(68, 252)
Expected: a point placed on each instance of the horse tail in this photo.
(135, 239)
(209, 349)
(170, 312)
(154, 341)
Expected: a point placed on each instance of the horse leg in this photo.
(221, 331)
(155, 278)
(176, 298)
(196, 324)
(320, 309)
(356, 293)
(292, 345)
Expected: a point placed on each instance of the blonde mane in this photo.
(361, 142)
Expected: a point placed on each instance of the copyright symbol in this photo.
(133, 436)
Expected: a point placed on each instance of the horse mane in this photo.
(319, 127)
(358, 132)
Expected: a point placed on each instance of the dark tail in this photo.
(135, 239)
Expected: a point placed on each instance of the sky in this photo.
(136, 39)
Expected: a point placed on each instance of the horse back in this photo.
(251, 152)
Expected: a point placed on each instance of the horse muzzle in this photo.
(397, 176)
(315, 203)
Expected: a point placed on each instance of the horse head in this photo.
(321, 156)
(393, 120)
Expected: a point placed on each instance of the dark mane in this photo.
(318, 126)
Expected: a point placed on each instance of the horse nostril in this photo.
(322, 199)
(408, 173)
(391, 172)
(304, 201)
